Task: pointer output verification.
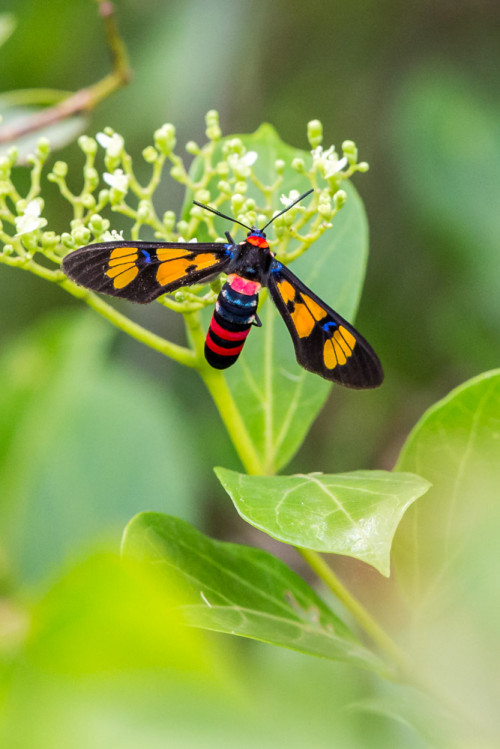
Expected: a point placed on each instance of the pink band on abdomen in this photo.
(243, 285)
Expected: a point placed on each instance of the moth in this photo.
(324, 342)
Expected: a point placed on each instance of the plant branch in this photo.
(85, 99)
(357, 610)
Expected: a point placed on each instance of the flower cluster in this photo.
(233, 175)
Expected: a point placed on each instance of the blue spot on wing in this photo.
(146, 256)
(327, 326)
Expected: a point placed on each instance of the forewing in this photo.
(325, 343)
(142, 271)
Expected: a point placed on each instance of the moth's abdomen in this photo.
(231, 322)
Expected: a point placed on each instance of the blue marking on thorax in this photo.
(276, 267)
(146, 255)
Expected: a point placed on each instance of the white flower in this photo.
(112, 143)
(190, 241)
(30, 220)
(112, 236)
(287, 200)
(241, 164)
(335, 166)
(118, 180)
(327, 161)
(249, 158)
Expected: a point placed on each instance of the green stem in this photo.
(357, 610)
(217, 387)
(232, 419)
(180, 354)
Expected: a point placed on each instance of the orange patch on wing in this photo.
(287, 291)
(171, 253)
(347, 336)
(305, 315)
(121, 252)
(125, 277)
(303, 320)
(172, 271)
(315, 309)
(120, 262)
(120, 267)
(204, 260)
(342, 343)
(341, 357)
(329, 355)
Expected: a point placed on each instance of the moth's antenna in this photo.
(217, 213)
(288, 208)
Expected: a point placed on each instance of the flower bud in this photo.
(315, 133)
(91, 177)
(81, 235)
(213, 131)
(279, 165)
(169, 220)
(237, 202)
(49, 240)
(165, 138)
(182, 227)
(350, 151)
(298, 165)
(68, 241)
(88, 145)
(98, 224)
(192, 147)
(222, 168)
(88, 201)
(340, 198)
(150, 154)
(224, 187)
(60, 169)
(202, 196)
(43, 147)
(177, 172)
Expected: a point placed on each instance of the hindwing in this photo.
(325, 343)
(142, 271)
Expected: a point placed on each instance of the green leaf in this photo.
(278, 399)
(241, 590)
(84, 444)
(456, 446)
(355, 514)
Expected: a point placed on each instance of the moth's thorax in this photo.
(253, 259)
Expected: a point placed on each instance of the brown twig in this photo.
(87, 98)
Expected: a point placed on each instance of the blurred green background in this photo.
(416, 86)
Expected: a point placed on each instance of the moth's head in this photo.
(256, 232)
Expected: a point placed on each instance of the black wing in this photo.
(324, 342)
(142, 271)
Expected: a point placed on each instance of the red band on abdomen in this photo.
(221, 350)
(228, 335)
